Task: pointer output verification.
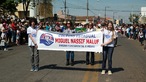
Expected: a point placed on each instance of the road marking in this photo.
(96, 66)
(92, 76)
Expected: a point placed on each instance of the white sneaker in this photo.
(31, 70)
(103, 72)
(5, 49)
(109, 72)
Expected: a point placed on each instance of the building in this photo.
(143, 11)
(36, 9)
(20, 11)
(142, 19)
(81, 19)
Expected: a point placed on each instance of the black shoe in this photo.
(87, 62)
(67, 63)
(92, 63)
(72, 62)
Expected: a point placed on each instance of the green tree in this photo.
(8, 6)
(2, 1)
(134, 18)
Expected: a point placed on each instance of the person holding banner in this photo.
(89, 29)
(32, 33)
(69, 54)
(108, 47)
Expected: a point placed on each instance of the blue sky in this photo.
(121, 8)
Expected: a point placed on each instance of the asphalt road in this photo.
(129, 65)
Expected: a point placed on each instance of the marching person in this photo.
(69, 54)
(89, 29)
(108, 47)
(116, 39)
(32, 32)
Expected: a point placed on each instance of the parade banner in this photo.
(87, 41)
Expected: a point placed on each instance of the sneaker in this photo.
(36, 69)
(67, 63)
(92, 63)
(87, 62)
(109, 72)
(31, 69)
(5, 49)
(72, 63)
(103, 72)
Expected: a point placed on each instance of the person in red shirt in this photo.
(13, 26)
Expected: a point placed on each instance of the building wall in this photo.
(42, 10)
(45, 10)
(143, 11)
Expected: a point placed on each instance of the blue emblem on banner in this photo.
(46, 39)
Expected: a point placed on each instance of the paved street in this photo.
(128, 65)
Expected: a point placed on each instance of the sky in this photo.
(120, 9)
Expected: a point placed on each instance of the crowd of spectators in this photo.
(13, 30)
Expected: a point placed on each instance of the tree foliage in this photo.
(8, 6)
(134, 18)
(2, 1)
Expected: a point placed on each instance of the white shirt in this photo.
(69, 31)
(90, 30)
(116, 31)
(108, 36)
(33, 32)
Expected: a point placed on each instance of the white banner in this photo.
(89, 41)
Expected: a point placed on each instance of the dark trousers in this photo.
(92, 57)
(116, 40)
(107, 54)
(70, 54)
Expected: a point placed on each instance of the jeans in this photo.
(107, 54)
(68, 54)
(14, 36)
(34, 56)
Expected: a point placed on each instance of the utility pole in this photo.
(114, 16)
(105, 12)
(65, 10)
(45, 3)
(87, 10)
(105, 15)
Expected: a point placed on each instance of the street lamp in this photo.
(105, 12)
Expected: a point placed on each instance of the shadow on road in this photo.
(117, 69)
(54, 66)
(84, 62)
